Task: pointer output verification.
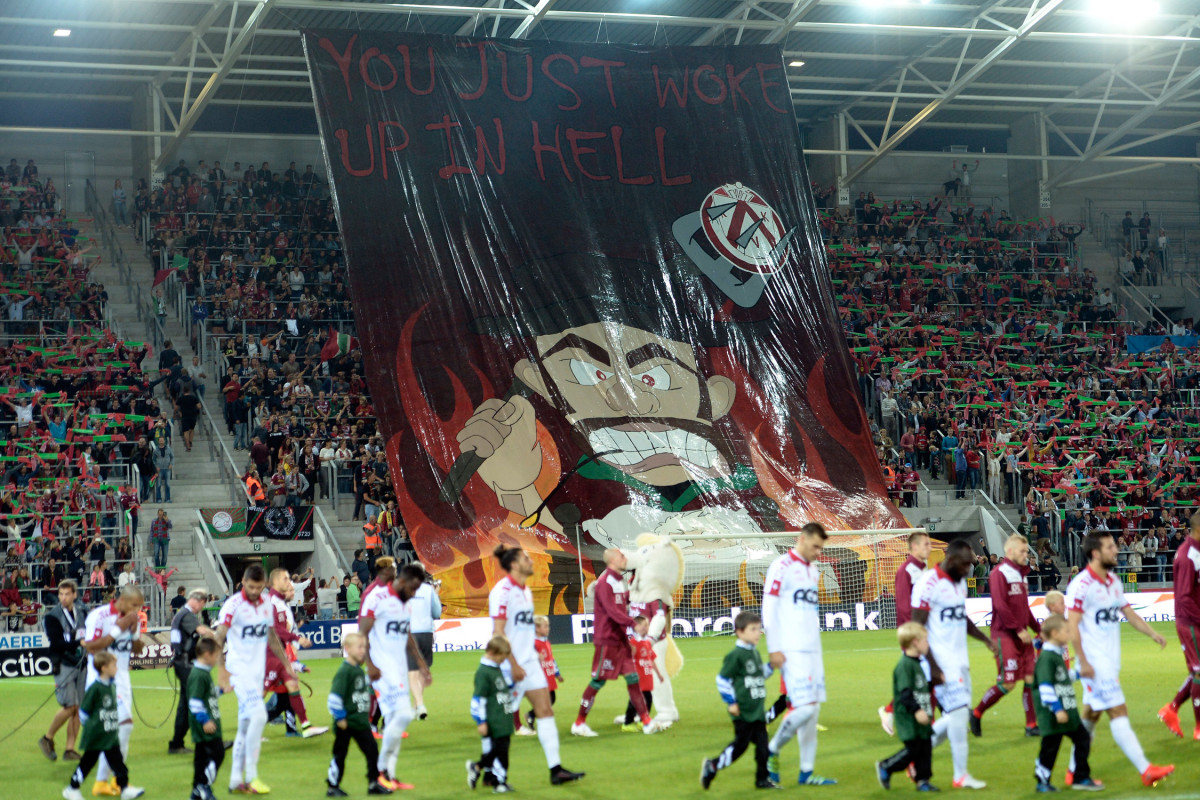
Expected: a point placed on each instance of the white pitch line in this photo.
(50, 685)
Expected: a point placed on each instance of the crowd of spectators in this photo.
(266, 282)
(76, 407)
(987, 356)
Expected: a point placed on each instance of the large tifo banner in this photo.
(592, 299)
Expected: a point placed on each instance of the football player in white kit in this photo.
(791, 618)
(386, 621)
(939, 602)
(114, 627)
(246, 622)
(510, 605)
(1095, 604)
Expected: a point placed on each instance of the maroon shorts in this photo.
(1189, 637)
(611, 662)
(1016, 658)
(273, 677)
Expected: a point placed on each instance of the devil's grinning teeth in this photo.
(626, 448)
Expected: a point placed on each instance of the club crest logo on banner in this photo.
(592, 299)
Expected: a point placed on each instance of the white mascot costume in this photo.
(657, 563)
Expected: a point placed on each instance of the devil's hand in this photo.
(504, 435)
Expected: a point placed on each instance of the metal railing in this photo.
(1000, 515)
(212, 565)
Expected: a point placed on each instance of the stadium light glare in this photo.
(61, 32)
(795, 63)
(1123, 11)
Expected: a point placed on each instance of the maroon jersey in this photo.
(283, 620)
(611, 610)
(906, 577)
(1010, 599)
(649, 610)
(1187, 582)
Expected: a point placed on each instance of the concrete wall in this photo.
(1172, 191)
(112, 157)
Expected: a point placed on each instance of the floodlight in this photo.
(1123, 11)
(795, 63)
(62, 32)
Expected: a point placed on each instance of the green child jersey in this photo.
(350, 697)
(1056, 690)
(203, 704)
(743, 680)
(491, 702)
(910, 693)
(99, 714)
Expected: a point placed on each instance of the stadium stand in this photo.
(978, 339)
(76, 409)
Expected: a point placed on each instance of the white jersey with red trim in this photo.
(248, 623)
(946, 601)
(102, 621)
(389, 633)
(513, 603)
(1101, 605)
(790, 608)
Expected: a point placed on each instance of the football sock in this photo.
(1027, 702)
(1184, 693)
(940, 726)
(238, 761)
(888, 708)
(1090, 727)
(389, 746)
(956, 730)
(1195, 690)
(585, 702)
(517, 719)
(1126, 739)
(547, 733)
(255, 723)
(990, 698)
(791, 726)
(298, 707)
(808, 741)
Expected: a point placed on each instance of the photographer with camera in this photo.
(187, 627)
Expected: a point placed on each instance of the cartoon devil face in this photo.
(636, 400)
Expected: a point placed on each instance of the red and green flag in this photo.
(339, 344)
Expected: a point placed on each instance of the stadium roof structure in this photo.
(1107, 80)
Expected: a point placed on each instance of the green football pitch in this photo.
(627, 765)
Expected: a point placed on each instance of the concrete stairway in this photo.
(196, 479)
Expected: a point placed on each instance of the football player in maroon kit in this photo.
(1012, 622)
(1187, 626)
(613, 657)
(919, 547)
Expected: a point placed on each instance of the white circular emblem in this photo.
(222, 521)
(744, 228)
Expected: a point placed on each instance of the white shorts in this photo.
(124, 696)
(955, 692)
(392, 692)
(804, 677)
(1103, 691)
(534, 679)
(249, 692)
